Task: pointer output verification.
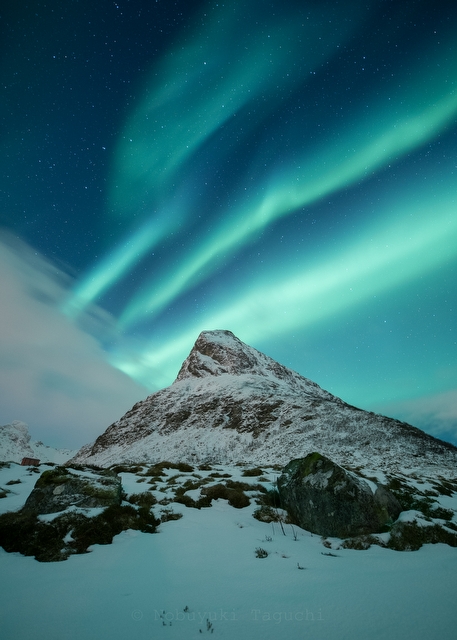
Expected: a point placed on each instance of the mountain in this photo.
(231, 403)
(16, 443)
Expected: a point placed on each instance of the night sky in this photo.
(286, 170)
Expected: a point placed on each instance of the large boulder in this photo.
(326, 499)
(59, 488)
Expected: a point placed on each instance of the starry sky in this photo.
(286, 170)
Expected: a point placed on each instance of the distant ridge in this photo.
(16, 443)
(231, 403)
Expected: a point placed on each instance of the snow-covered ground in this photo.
(199, 576)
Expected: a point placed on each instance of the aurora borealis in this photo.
(285, 170)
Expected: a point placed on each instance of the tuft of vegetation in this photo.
(155, 471)
(245, 486)
(235, 496)
(270, 498)
(261, 553)
(183, 467)
(11, 482)
(56, 476)
(187, 501)
(265, 513)
(169, 514)
(410, 536)
(442, 514)
(126, 468)
(413, 499)
(249, 473)
(360, 543)
(145, 499)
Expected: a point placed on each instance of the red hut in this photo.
(30, 462)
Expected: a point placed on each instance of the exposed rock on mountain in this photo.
(231, 403)
(324, 498)
(16, 443)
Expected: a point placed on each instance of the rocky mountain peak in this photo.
(220, 352)
(217, 352)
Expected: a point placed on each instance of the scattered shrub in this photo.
(265, 513)
(187, 501)
(261, 553)
(244, 486)
(235, 496)
(410, 536)
(442, 513)
(169, 514)
(271, 498)
(23, 532)
(145, 499)
(157, 469)
(256, 471)
(190, 485)
(412, 499)
(126, 468)
(183, 466)
(238, 499)
(360, 543)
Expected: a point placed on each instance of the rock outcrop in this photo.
(59, 488)
(324, 498)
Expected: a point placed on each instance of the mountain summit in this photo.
(216, 353)
(232, 403)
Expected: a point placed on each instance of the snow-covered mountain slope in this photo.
(231, 403)
(16, 443)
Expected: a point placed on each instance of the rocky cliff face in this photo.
(231, 403)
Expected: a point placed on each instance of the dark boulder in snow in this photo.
(326, 499)
(59, 489)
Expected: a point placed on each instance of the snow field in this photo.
(199, 576)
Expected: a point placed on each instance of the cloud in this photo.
(53, 375)
(435, 414)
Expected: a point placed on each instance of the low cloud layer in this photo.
(435, 414)
(53, 375)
